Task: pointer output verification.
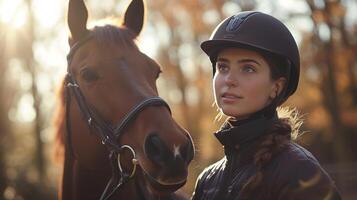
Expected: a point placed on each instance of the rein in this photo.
(108, 133)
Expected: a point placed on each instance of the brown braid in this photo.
(279, 135)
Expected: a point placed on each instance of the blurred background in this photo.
(33, 47)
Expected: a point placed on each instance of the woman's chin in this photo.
(229, 111)
(236, 111)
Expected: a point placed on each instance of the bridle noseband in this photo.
(108, 134)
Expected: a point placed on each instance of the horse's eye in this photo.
(89, 75)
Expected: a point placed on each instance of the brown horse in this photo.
(118, 138)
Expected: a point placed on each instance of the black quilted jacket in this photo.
(293, 174)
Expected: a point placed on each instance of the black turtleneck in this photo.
(242, 132)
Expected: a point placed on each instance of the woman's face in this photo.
(242, 82)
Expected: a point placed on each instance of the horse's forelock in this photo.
(110, 35)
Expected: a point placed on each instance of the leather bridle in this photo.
(108, 133)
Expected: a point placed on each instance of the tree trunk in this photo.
(30, 64)
(3, 119)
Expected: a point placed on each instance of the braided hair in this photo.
(285, 129)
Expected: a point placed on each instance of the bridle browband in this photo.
(108, 134)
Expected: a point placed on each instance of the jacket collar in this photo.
(243, 132)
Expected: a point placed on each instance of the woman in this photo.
(256, 68)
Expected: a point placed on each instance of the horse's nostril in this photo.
(155, 149)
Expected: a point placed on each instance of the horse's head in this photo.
(113, 77)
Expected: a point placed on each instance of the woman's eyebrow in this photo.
(244, 60)
(220, 59)
(247, 60)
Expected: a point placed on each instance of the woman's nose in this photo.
(231, 79)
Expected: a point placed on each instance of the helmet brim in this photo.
(213, 47)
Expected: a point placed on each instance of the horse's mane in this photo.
(59, 124)
(105, 36)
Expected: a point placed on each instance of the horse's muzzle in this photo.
(173, 161)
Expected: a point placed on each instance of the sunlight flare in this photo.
(13, 13)
(47, 13)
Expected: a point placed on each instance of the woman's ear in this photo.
(278, 87)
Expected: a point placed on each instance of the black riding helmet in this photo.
(259, 31)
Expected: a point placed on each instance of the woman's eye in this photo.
(248, 69)
(89, 75)
(222, 67)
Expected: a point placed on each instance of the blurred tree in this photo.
(18, 79)
(333, 48)
(3, 111)
(31, 68)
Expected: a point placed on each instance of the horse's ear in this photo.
(77, 19)
(134, 16)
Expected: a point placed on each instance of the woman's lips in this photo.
(230, 97)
